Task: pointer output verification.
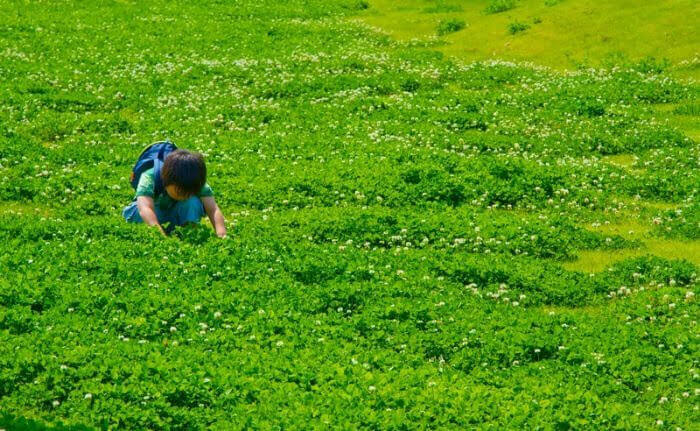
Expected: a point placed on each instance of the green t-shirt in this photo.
(163, 201)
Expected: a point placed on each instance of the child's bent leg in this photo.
(131, 213)
(189, 211)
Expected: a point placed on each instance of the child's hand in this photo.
(215, 216)
(162, 231)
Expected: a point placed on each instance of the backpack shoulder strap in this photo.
(157, 181)
(158, 166)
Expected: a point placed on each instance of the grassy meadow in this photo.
(441, 214)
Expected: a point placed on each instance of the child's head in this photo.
(184, 174)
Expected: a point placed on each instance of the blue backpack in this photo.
(152, 157)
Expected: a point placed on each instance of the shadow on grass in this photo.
(11, 423)
(193, 233)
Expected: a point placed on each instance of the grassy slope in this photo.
(570, 33)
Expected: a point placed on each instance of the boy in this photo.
(185, 199)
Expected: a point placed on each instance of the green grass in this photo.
(517, 27)
(415, 242)
(450, 26)
(498, 6)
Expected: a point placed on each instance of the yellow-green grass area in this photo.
(23, 209)
(623, 160)
(684, 116)
(592, 261)
(635, 222)
(597, 260)
(563, 35)
(626, 161)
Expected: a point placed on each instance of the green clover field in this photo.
(442, 215)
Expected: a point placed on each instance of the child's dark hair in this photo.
(185, 170)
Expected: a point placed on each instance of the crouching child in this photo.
(171, 189)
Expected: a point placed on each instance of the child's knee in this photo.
(131, 213)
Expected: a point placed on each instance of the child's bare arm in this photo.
(147, 212)
(215, 215)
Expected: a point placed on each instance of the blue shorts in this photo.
(183, 212)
